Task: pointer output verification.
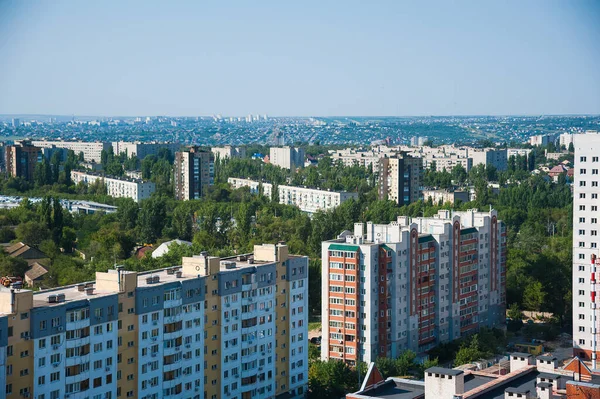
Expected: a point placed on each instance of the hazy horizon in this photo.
(350, 59)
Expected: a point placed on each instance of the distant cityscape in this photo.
(263, 129)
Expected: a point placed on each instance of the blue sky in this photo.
(299, 58)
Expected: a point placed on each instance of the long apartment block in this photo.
(309, 200)
(210, 328)
(412, 284)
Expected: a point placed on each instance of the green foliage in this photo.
(32, 233)
(10, 266)
(514, 312)
(331, 379)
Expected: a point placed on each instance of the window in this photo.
(581, 329)
(582, 171)
(582, 342)
(24, 316)
(582, 159)
(42, 343)
(582, 304)
(581, 280)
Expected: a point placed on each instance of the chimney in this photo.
(520, 360)
(544, 390)
(359, 229)
(442, 383)
(12, 301)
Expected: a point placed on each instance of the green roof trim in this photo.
(424, 239)
(386, 247)
(469, 230)
(342, 247)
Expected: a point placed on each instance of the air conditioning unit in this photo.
(55, 365)
(60, 328)
(188, 346)
(25, 394)
(107, 369)
(55, 347)
(155, 322)
(153, 354)
(26, 338)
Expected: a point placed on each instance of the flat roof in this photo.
(394, 389)
(521, 384)
(473, 381)
(444, 371)
(71, 293)
(547, 357)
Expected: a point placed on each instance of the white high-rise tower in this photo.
(586, 200)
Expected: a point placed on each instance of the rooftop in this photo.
(397, 388)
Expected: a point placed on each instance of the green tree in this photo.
(127, 213)
(32, 233)
(514, 312)
(10, 266)
(534, 296)
(182, 221)
(151, 219)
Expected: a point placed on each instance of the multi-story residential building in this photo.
(490, 157)
(541, 139)
(287, 157)
(565, 139)
(365, 158)
(400, 179)
(229, 152)
(21, 159)
(586, 190)
(445, 196)
(446, 162)
(194, 172)
(92, 151)
(412, 284)
(513, 152)
(211, 328)
(118, 187)
(256, 187)
(142, 150)
(309, 200)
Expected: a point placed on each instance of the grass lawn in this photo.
(314, 325)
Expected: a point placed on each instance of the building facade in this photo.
(309, 200)
(229, 152)
(21, 158)
(412, 284)
(586, 190)
(194, 172)
(287, 157)
(490, 157)
(446, 196)
(211, 328)
(135, 189)
(400, 179)
(142, 150)
(92, 150)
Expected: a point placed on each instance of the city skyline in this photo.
(357, 60)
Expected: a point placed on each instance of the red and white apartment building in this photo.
(412, 284)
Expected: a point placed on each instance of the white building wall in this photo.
(586, 190)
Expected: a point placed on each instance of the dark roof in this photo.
(551, 376)
(393, 389)
(444, 371)
(468, 230)
(425, 238)
(342, 247)
(473, 381)
(521, 389)
(544, 384)
(524, 383)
